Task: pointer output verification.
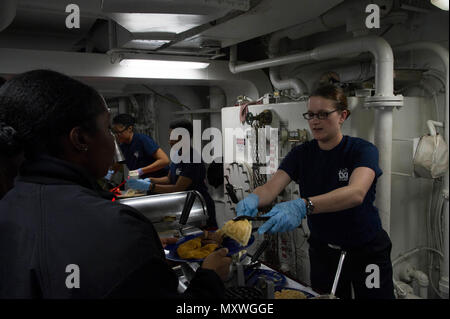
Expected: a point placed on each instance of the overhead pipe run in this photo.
(304, 29)
(383, 102)
(442, 53)
(297, 85)
(333, 18)
(8, 10)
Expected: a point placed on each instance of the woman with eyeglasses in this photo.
(337, 178)
(144, 158)
(61, 236)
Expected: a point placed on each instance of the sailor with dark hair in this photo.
(184, 175)
(56, 215)
(142, 154)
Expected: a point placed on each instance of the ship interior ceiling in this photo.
(261, 57)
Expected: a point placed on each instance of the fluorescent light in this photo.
(163, 64)
(441, 4)
(146, 44)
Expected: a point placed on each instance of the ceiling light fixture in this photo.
(163, 64)
(441, 4)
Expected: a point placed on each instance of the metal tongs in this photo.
(249, 218)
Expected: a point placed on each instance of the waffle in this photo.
(240, 230)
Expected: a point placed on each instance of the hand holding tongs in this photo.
(249, 218)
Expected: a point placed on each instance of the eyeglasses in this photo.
(320, 115)
(119, 132)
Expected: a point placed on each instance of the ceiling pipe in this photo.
(442, 53)
(334, 18)
(299, 87)
(8, 10)
(383, 102)
(297, 32)
(331, 19)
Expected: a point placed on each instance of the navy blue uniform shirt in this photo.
(318, 172)
(56, 215)
(139, 153)
(197, 173)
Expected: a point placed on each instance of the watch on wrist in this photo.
(309, 207)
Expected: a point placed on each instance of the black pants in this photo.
(324, 262)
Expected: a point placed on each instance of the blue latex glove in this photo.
(109, 175)
(286, 216)
(248, 206)
(139, 184)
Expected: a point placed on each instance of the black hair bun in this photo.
(9, 141)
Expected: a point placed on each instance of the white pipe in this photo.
(375, 45)
(408, 273)
(383, 140)
(442, 53)
(412, 252)
(402, 289)
(333, 18)
(297, 85)
(8, 10)
(384, 88)
(432, 126)
(304, 29)
(422, 280)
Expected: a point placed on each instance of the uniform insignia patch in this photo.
(343, 175)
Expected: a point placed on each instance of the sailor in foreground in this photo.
(61, 235)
